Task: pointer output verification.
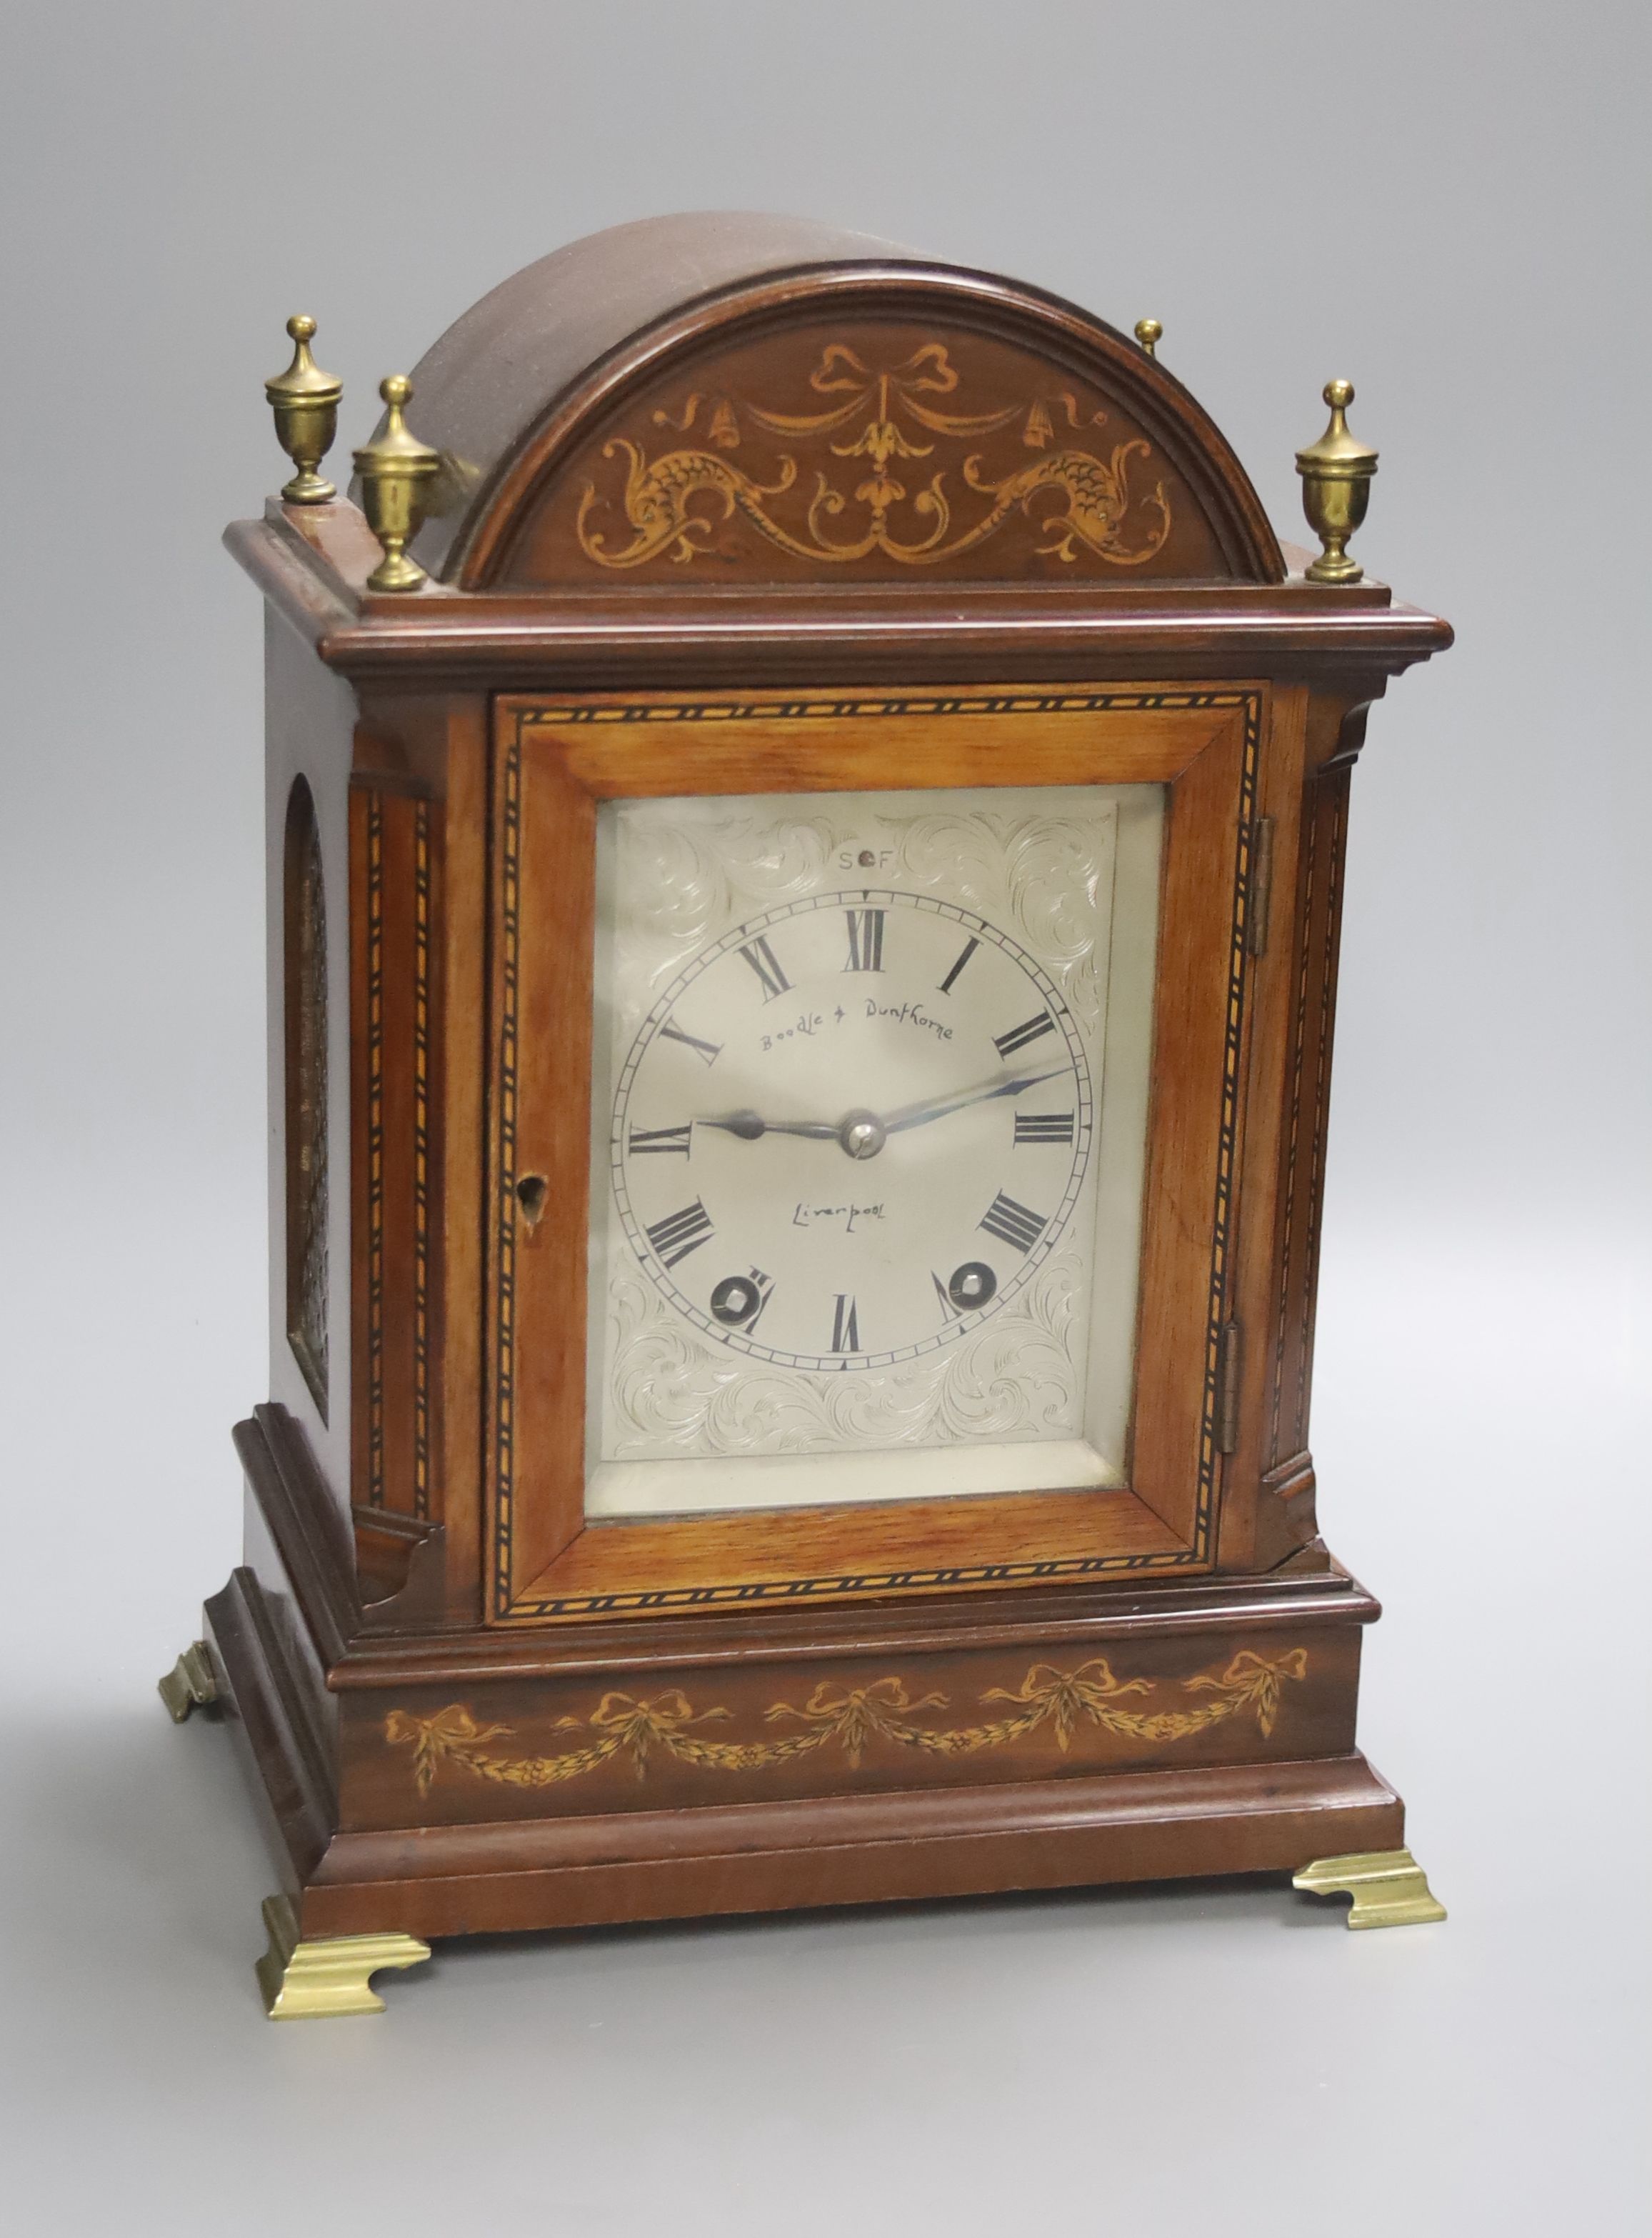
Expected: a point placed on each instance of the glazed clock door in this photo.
(856, 1071)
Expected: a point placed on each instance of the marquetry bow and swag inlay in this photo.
(925, 496)
(855, 1717)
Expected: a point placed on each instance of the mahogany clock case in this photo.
(819, 518)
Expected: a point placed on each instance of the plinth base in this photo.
(419, 1780)
(490, 1873)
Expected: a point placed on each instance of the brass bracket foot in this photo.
(311, 1981)
(1390, 1889)
(190, 1684)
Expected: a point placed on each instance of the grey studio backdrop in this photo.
(1445, 203)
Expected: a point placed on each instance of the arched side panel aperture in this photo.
(897, 425)
(304, 985)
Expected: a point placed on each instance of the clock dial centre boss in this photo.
(868, 1116)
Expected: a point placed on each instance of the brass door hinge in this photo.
(1227, 1388)
(1256, 938)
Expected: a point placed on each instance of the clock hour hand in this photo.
(919, 1115)
(749, 1128)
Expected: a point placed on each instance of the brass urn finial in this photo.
(1149, 333)
(306, 403)
(396, 470)
(1336, 488)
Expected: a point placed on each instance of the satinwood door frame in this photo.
(553, 760)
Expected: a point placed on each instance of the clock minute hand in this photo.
(919, 1115)
(862, 1133)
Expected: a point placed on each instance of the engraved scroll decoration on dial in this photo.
(851, 1130)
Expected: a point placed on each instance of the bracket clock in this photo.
(806, 809)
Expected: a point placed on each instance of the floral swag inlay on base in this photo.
(1073, 496)
(852, 1717)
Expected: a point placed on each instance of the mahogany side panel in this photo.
(1306, 1106)
(393, 844)
(1268, 1504)
(307, 729)
(419, 1007)
(1257, 1528)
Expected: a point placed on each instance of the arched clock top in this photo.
(690, 402)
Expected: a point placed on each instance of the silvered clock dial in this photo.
(868, 1118)
(917, 1136)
